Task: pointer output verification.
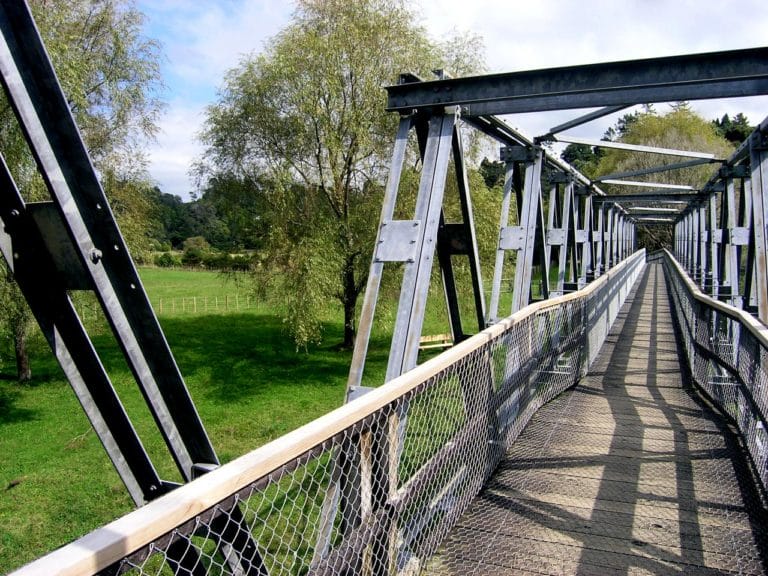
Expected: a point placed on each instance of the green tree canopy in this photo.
(680, 129)
(307, 117)
(110, 74)
(735, 129)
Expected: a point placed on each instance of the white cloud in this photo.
(177, 147)
(204, 39)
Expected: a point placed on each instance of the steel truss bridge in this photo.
(611, 421)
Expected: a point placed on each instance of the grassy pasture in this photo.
(247, 380)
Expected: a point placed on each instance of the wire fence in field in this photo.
(216, 304)
(90, 310)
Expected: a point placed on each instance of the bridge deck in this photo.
(630, 472)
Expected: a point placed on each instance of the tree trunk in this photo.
(350, 305)
(23, 368)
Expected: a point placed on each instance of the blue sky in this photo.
(203, 39)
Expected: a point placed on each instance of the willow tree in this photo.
(305, 123)
(110, 74)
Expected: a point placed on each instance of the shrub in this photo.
(167, 260)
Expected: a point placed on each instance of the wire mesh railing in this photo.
(727, 352)
(374, 486)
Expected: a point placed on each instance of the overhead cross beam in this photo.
(634, 147)
(726, 74)
(655, 169)
(674, 198)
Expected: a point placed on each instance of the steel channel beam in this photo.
(636, 147)
(371, 297)
(690, 77)
(657, 169)
(759, 184)
(529, 215)
(35, 273)
(657, 185)
(598, 237)
(44, 114)
(404, 348)
(715, 238)
(498, 269)
(469, 234)
(587, 257)
(654, 197)
(703, 240)
(583, 119)
(732, 268)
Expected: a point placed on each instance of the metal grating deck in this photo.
(630, 472)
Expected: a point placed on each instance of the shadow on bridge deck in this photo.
(630, 472)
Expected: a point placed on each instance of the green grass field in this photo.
(247, 380)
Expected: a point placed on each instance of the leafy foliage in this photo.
(303, 129)
(110, 74)
(735, 129)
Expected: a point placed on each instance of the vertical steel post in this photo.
(501, 249)
(587, 272)
(703, 240)
(89, 231)
(567, 236)
(715, 238)
(758, 153)
(404, 349)
(732, 268)
(528, 222)
(371, 295)
(599, 237)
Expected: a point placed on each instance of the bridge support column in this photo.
(530, 235)
(758, 153)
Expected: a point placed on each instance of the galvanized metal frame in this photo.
(72, 242)
(690, 77)
(720, 238)
(78, 226)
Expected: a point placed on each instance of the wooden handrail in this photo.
(757, 328)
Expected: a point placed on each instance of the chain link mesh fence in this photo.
(378, 495)
(727, 359)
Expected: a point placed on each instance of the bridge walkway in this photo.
(630, 472)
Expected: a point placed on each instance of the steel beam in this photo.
(371, 297)
(95, 239)
(404, 348)
(690, 77)
(530, 216)
(758, 147)
(656, 197)
(583, 119)
(510, 173)
(635, 147)
(656, 169)
(656, 185)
